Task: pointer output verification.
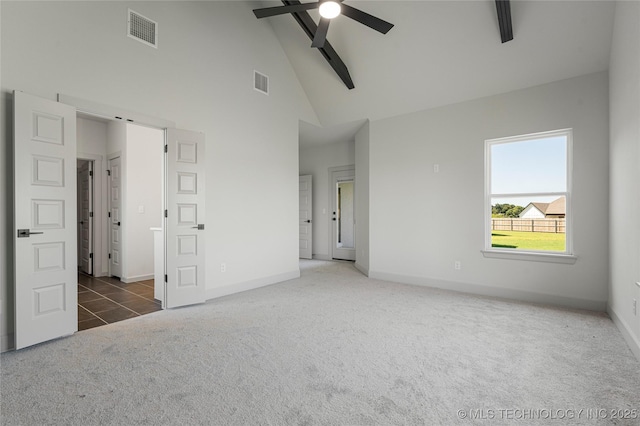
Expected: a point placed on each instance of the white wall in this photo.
(625, 172)
(145, 154)
(116, 139)
(200, 77)
(421, 221)
(91, 136)
(316, 160)
(362, 198)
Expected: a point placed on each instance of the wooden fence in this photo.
(528, 225)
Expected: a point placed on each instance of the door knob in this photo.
(308, 220)
(118, 223)
(200, 227)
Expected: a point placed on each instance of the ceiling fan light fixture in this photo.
(330, 9)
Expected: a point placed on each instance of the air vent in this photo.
(143, 29)
(261, 82)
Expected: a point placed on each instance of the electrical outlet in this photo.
(436, 168)
(457, 265)
(223, 267)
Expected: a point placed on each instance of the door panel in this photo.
(115, 224)
(45, 219)
(185, 244)
(306, 227)
(85, 186)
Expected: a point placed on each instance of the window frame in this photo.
(568, 255)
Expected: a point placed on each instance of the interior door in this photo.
(85, 188)
(185, 215)
(343, 215)
(45, 213)
(115, 216)
(306, 231)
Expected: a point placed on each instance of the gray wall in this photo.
(421, 221)
(625, 172)
(316, 160)
(200, 77)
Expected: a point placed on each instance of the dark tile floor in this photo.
(106, 300)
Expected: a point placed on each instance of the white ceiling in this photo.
(311, 135)
(442, 52)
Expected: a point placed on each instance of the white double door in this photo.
(45, 218)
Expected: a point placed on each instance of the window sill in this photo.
(568, 259)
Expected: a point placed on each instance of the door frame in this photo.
(98, 193)
(332, 194)
(110, 157)
(96, 109)
(91, 219)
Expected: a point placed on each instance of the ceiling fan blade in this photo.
(281, 10)
(321, 33)
(366, 19)
(504, 20)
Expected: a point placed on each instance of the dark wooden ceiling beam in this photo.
(504, 20)
(309, 27)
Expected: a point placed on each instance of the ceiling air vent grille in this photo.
(143, 29)
(261, 82)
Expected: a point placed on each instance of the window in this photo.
(528, 195)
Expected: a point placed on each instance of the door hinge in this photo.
(90, 214)
(108, 172)
(90, 255)
(166, 278)
(166, 214)
(166, 148)
(109, 255)
(109, 214)
(90, 173)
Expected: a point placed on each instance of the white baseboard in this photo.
(137, 278)
(362, 269)
(214, 293)
(7, 342)
(321, 257)
(504, 293)
(629, 337)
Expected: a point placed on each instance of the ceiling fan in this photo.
(328, 9)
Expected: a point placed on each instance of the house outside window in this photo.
(528, 194)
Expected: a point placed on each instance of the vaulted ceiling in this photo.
(442, 52)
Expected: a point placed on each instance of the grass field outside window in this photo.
(536, 241)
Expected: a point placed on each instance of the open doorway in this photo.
(119, 206)
(342, 187)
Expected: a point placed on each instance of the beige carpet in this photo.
(331, 348)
